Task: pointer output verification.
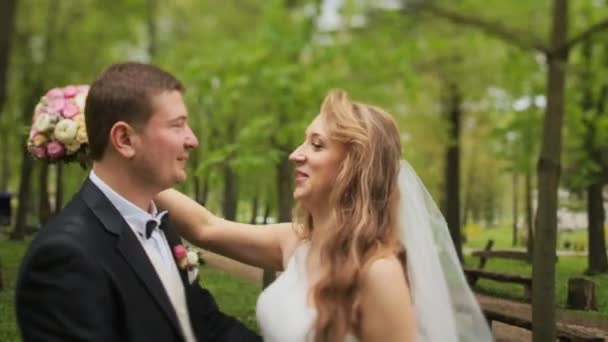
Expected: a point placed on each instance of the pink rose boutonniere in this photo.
(187, 258)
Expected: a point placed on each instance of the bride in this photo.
(368, 256)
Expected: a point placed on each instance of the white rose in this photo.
(40, 109)
(80, 100)
(65, 131)
(79, 119)
(45, 123)
(72, 147)
(192, 258)
(81, 135)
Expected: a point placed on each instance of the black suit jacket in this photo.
(86, 277)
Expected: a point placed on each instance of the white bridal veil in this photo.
(444, 305)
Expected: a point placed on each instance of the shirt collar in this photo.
(134, 215)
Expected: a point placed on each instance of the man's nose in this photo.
(191, 140)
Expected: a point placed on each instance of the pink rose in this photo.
(55, 150)
(179, 251)
(70, 91)
(54, 93)
(83, 88)
(40, 152)
(69, 110)
(56, 105)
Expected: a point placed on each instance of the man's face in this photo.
(163, 144)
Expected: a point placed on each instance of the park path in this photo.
(502, 332)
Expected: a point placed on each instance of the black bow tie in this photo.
(152, 224)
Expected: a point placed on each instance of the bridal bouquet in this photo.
(58, 131)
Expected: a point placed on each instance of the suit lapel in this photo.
(173, 241)
(129, 247)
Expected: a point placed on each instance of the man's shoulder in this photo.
(72, 233)
(74, 223)
(71, 218)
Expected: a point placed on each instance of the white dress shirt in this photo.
(157, 249)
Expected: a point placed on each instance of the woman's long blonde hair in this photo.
(364, 209)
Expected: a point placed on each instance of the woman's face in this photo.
(317, 162)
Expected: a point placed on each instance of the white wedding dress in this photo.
(283, 312)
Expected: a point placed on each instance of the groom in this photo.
(103, 269)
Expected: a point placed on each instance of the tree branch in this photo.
(525, 40)
(593, 29)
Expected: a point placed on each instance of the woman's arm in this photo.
(263, 246)
(385, 307)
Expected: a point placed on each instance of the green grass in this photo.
(10, 257)
(234, 296)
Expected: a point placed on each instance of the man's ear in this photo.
(122, 136)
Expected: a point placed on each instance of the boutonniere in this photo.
(187, 258)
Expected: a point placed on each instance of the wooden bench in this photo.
(565, 332)
(502, 254)
(473, 274)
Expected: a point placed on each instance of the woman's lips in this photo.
(301, 176)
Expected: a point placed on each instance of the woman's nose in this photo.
(297, 155)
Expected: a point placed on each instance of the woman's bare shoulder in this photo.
(290, 240)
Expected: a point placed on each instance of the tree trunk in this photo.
(230, 201)
(284, 186)
(27, 166)
(59, 187)
(197, 187)
(596, 258)
(452, 167)
(515, 209)
(468, 195)
(205, 193)
(529, 215)
(4, 154)
(284, 203)
(267, 209)
(489, 207)
(25, 191)
(543, 271)
(254, 209)
(33, 87)
(44, 206)
(476, 210)
(7, 25)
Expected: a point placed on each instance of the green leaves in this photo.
(257, 71)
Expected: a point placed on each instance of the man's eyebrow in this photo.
(179, 118)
